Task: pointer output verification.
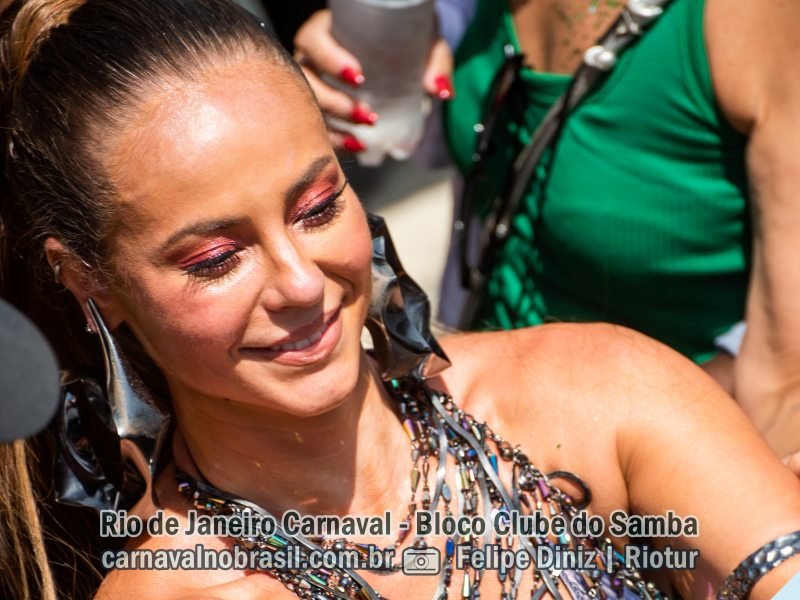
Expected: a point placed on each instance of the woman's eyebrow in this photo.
(307, 178)
(201, 228)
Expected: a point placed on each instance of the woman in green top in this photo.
(642, 213)
(642, 216)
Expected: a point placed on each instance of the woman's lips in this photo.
(309, 349)
(299, 344)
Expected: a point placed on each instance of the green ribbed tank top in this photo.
(639, 216)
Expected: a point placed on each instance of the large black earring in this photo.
(399, 315)
(112, 442)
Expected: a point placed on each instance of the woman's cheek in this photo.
(204, 316)
(357, 246)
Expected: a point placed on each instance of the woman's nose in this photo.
(292, 277)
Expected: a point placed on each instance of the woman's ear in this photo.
(84, 283)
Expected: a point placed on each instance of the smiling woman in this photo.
(165, 160)
(237, 271)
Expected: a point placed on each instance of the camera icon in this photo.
(418, 561)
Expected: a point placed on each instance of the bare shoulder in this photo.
(582, 398)
(556, 342)
(752, 46)
(603, 357)
(560, 382)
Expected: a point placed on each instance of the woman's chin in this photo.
(307, 392)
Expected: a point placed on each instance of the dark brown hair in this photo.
(71, 73)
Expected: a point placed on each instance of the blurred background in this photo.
(416, 203)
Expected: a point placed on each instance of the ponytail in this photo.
(33, 23)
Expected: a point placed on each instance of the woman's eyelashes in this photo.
(218, 264)
(323, 213)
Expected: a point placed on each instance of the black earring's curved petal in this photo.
(86, 470)
(399, 315)
(112, 443)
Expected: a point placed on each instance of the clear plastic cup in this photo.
(391, 39)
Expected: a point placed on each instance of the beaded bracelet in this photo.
(739, 583)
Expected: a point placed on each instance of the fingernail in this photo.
(351, 76)
(353, 144)
(364, 116)
(444, 87)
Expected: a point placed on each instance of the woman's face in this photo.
(243, 256)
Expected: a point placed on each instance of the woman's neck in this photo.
(352, 459)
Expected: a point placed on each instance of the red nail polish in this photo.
(444, 87)
(353, 144)
(351, 76)
(363, 116)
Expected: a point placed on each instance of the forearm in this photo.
(766, 373)
(767, 370)
(772, 402)
(751, 46)
(775, 413)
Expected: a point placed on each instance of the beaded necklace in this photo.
(437, 427)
